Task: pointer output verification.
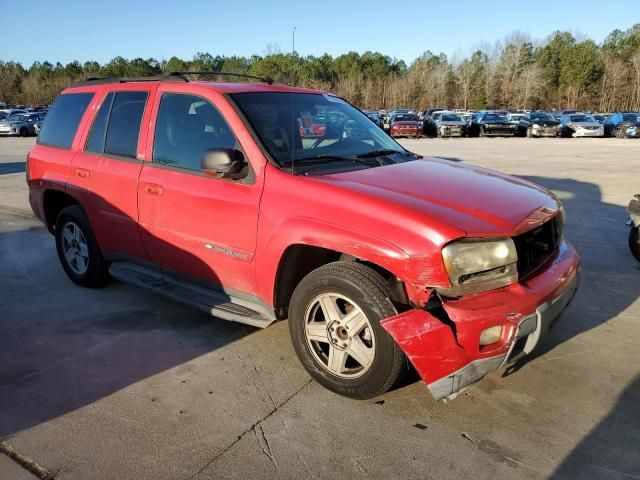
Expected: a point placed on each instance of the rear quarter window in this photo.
(61, 123)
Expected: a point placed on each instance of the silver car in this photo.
(580, 125)
(450, 124)
(20, 124)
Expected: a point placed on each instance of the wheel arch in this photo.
(293, 257)
(53, 201)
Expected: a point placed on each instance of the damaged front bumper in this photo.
(443, 344)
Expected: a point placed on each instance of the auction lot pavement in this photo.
(120, 383)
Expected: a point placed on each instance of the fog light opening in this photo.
(490, 335)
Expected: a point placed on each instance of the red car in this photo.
(207, 193)
(405, 125)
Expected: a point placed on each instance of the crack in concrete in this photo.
(251, 428)
(267, 448)
(26, 462)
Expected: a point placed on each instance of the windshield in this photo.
(451, 118)
(405, 117)
(631, 117)
(542, 116)
(581, 118)
(288, 125)
(492, 117)
(17, 118)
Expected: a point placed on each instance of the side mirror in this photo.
(224, 163)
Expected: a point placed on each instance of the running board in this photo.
(215, 303)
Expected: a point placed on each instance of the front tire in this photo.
(634, 242)
(334, 322)
(78, 249)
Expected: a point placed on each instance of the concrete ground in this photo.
(119, 383)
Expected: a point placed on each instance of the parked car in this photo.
(559, 113)
(490, 124)
(538, 124)
(374, 254)
(515, 117)
(580, 125)
(19, 124)
(375, 118)
(623, 124)
(312, 127)
(634, 222)
(598, 117)
(37, 125)
(449, 124)
(405, 125)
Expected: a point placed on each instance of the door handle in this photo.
(82, 173)
(153, 189)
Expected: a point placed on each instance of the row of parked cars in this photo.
(21, 122)
(438, 122)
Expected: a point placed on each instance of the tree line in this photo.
(562, 71)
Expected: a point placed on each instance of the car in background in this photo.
(374, 117)
(580, 125)
(12, 111)
(538, 124)
(449, 124)
(491, 124)
(634, 222)
(312, 127)
(405, 125)
(622, 124)
(20, 124)
(559, 113)
(515, 117)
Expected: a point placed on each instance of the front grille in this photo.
(537, 245)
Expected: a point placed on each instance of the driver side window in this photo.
(186, 127)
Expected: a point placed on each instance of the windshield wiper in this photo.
(379, 153)
(321, 159)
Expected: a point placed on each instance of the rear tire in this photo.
(349, 355)
(634, 242)
(23, 132)
(78, 249)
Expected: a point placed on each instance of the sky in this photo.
(67, 30)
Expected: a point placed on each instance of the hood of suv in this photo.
(473, 199)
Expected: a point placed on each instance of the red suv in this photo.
(208, 193)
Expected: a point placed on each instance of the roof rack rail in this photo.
(155, 78)
(267, 79)
(167, 77)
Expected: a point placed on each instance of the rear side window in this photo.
(188, 126)
(95, 142)
(124, 123)
(61, 123)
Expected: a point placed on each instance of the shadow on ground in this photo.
(12, 167)
(610, 451)
(63, 347)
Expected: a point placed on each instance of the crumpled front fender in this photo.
(443, 343)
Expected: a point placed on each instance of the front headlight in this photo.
(478, 265)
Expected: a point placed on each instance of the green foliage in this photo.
(562, 71)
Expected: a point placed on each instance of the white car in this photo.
(580, 125)
(449, 124)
